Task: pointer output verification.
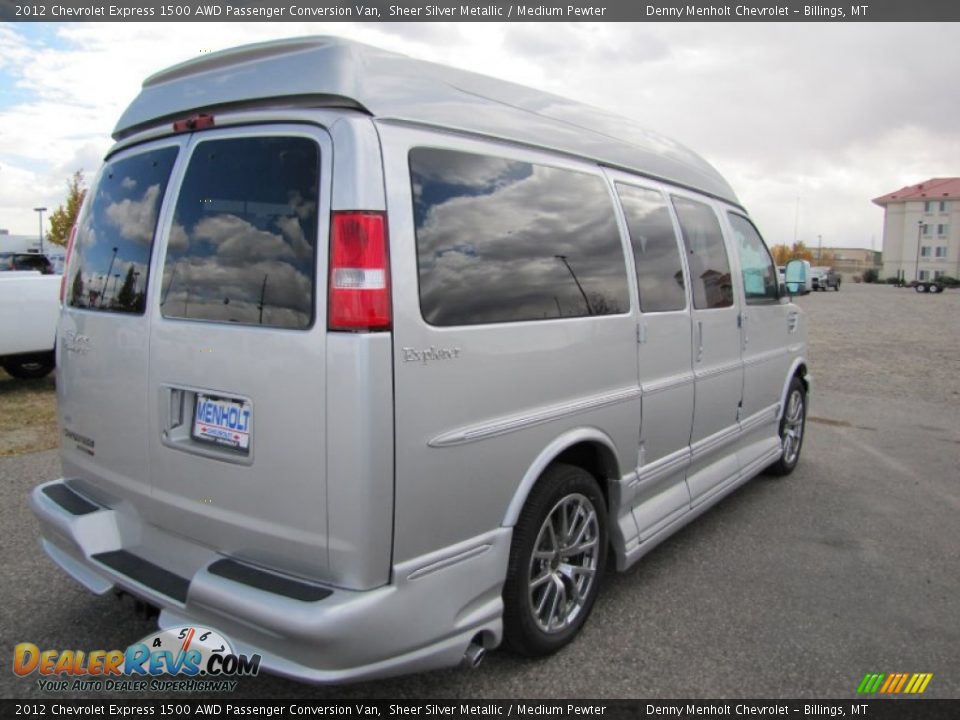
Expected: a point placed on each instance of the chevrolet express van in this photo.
(372, 364)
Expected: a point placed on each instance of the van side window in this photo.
(503, 241)
(111, 252)
(243, 244)
(760, 279)
(656, 253)
(709, 264)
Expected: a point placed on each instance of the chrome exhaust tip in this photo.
(473, 656)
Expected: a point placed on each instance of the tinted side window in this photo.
(656, 253)
(760, 279)
(709, 265)
(502, 241)
(244, 238)
(111, 252)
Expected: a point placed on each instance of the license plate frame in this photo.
(226, 422)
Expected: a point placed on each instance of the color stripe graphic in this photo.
(894, 683)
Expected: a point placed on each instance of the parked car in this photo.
(26, 262)
(29, 309)
(407, 355)
(824, 278)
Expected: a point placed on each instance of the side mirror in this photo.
(798, 277)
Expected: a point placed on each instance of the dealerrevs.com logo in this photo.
(198, 658)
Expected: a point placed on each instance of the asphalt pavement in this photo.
(794, 587)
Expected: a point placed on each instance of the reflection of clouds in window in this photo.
(110, 265)
(243, 240)
(135, 219)
(492, 251)
(207, 289)
(238, 242)
(709, 265)
(464, 170)
(655, 250)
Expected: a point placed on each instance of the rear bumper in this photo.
(426, 618)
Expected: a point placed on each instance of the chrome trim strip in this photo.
(714, 442)
(447, 562)
(764, 357)
(667, 383)
(503, 426)
(658, 469)
(768, 414)
(718, 370)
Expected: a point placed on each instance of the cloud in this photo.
(135, 219)
(832, 113)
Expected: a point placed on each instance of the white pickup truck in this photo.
(29, 311)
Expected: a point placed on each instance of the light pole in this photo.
(916, 267)
(41, 211)
(819, 248)
(563, 259)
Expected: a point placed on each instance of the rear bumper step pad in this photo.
(145, 573)
(69, 500)
(276, 584)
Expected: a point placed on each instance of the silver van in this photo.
(372, 364)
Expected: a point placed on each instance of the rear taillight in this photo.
(359, 272)
(66, 263)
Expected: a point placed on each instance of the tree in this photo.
(126, 298)
(783, 254)
(63, 218)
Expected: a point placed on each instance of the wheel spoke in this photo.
(579, 548)
(558, 591)
(537, 582)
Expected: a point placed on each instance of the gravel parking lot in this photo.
(788, 588)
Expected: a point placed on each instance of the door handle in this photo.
(793, 320)
(699, 340)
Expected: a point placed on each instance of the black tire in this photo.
(792, 430)
(30, 368)
(563, 491)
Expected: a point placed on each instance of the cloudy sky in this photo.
(807, 121)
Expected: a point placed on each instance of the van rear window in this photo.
(111, 252)
(502, 241)
(242, 248)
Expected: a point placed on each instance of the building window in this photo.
(925, 251)
(924, 275)
(925, 230)
(928, 206)
(943, 206)
(941, 251)
(937, 274)
(942, 230)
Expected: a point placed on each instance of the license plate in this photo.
(223, 421)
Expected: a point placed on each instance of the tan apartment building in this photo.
(921, 230)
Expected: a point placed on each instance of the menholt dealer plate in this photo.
(223, 421)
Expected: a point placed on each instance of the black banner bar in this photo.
(492, 10)
(872, 709)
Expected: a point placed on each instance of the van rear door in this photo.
(104, 328)
(237, 379)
